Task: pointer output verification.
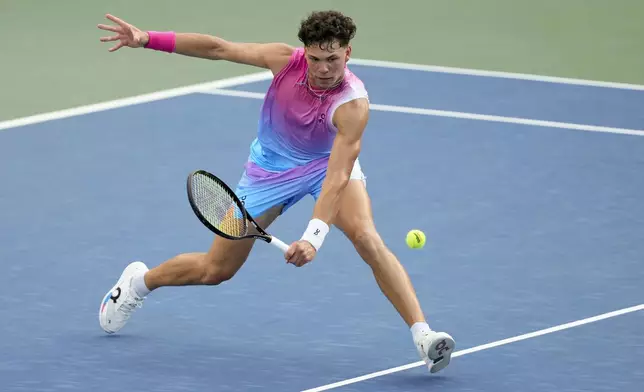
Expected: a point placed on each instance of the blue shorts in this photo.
(261, 190)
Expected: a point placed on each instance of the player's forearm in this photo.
(196, 45)
(199, 45)
(326, 207)
(351, 120)
(327, 204)
(343, 156)
(337, 177)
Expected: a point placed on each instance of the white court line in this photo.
(119, 103)
(266, 75)
(462, 115)
(494, 74)
(484, 347)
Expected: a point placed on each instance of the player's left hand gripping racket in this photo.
(220, 210)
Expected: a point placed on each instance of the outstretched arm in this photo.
(351, 120)
(273, 56)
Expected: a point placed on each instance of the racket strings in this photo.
(218, 206)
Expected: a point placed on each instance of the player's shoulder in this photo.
(291, 59)
(353, 96)
(351, 107)
(354, 104)
(352, 116)
(354, 83)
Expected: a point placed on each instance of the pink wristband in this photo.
(161, 40)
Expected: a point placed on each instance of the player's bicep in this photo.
(273, 56)
(351, 120)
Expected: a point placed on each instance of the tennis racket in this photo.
(221, 211)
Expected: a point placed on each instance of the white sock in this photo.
(138, 284)
(419, 329)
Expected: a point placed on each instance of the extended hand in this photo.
(127, 34)
(300, 253)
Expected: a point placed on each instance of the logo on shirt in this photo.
(321, 119)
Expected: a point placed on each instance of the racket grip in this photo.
(278, 243)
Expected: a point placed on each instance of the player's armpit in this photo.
(273, 56)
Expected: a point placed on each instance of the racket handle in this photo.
(278, 243)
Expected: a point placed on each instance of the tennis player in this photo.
(309, 137)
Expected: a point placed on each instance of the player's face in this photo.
(326, 64)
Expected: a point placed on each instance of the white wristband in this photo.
(315, 233)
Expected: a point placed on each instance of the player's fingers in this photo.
(302, 260)
(116, 20)
(288, 256)
(116, 47)
(307, 256)
(112, 38)
(115, 29)
(296, 258)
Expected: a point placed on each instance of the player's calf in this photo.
(192, 269)
(218, 265)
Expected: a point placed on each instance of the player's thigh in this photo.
(355, 219)
(225, 257)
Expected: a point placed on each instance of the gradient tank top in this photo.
(295, 125)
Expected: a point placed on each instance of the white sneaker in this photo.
(121, 301)
(436, 349)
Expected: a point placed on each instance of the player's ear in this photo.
(348, 52)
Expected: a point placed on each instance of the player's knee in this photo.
(213, 276)
(217, 273)
(367, 242)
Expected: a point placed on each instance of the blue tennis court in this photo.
(531, 194)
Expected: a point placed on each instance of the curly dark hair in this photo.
(324, 28)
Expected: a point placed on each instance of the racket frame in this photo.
(263, 235)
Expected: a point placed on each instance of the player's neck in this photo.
(317, 89)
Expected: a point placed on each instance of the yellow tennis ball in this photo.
(415, 239)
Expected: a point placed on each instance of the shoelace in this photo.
(129, 304)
